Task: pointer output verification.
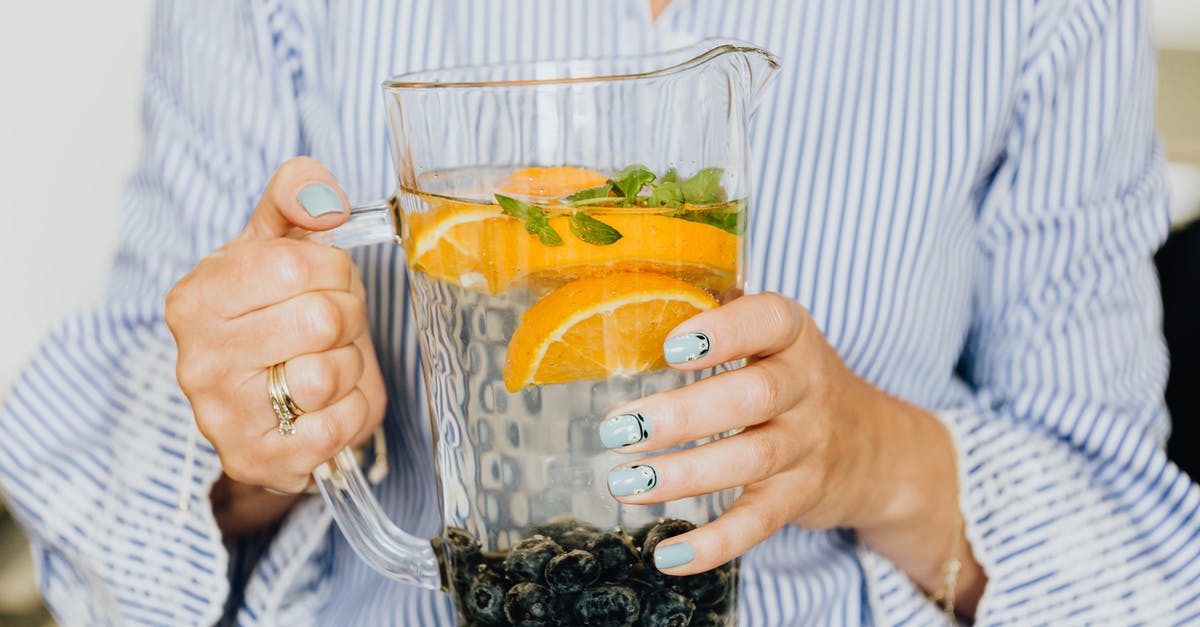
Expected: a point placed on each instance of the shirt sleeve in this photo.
(99, 443)
(1071, 505)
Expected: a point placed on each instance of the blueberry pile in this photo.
(570, 573)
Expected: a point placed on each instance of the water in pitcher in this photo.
(549, 292)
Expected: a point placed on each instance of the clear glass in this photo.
(559, 218)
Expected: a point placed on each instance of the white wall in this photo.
(69, 134)
(1176, 24)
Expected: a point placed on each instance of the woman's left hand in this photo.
(820, 447)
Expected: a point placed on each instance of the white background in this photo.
(69, 134)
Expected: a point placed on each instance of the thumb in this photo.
(302, 193)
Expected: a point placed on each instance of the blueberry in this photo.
(484, 600)
(707, 618)
(563, 606)
(572, 571)
(639, 534)
(527, 559)
(562, 529)
(608, 605)
(666, 608)
(577, 538)
(463, 546)
(615, 554)
(668, 528)
(529, 604)
(706, 589)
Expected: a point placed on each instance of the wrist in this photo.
(908, 486)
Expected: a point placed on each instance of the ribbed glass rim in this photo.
(713, 48)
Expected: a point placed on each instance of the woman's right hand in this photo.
(263, 299)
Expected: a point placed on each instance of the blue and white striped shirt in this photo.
(966, 195)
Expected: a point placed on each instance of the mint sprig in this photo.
(536, 222)
(591, 230)
(704, 187)
(630, 180)
(590, 196)
(666, 194)
(728, 217)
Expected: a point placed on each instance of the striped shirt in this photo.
(966, 195)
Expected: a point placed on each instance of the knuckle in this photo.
(331, 435)
(762, 392)
(178, 305)
(318, 382)
(239, 468)
(779, 310)
(323, 320)
(285, 262)
(195, 371)
(764, 454)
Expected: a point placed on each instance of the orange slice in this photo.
(600, 327)
(451, 242)
(478, 247)
(552, 182)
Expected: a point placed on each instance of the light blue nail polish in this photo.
(623, 430)
(673, 555)
(319, 199)
(687, 347)
(632, 480)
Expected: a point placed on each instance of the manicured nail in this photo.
(319, 199)
(673, 555)
(684, 348)
(632, 480)
(623, 430)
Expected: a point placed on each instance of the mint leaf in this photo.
(728, 217)
(548, 236)
(591, 195)
(666, 194)
(515, 208)
(630, 180)
(704, 188)
(536, 222)
(591, 230)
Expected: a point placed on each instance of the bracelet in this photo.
(945, 596)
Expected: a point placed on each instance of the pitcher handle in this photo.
(377, 540)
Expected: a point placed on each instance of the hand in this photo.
(820, 447)
(263, 299)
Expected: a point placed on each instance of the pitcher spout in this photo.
(751, 67)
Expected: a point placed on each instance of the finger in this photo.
(730, 462)
(750, 326)
(285, 462)
(301, 193)
(320, 435)
(241, 279)
(312, 322)
(372, 385)
(730, 400)
(314, 380)
(760, 511)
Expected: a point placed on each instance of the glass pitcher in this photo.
(559, 218)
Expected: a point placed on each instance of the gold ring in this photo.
(286, 409)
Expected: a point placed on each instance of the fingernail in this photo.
(623, 430)
(319, 199)
(673, 555)
(684, 348)
(632, 480)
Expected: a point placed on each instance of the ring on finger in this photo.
(286, 409)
